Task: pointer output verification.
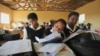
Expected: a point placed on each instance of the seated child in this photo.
(55, 34)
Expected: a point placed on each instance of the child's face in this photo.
(73, 20)
(58, 27)
(34, 23)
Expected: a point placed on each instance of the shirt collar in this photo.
(68, 27)
(39, 27)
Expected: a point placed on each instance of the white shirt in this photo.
(25, 35)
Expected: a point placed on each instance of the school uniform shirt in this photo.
(69, 31)
(30, 33)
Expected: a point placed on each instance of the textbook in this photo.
(74, 34)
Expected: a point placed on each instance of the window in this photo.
(81, 18)
(4, 18)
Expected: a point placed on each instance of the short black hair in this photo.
(73, 13)
(32, 16)
(61, 20)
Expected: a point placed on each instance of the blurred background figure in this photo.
(88, 26)
(46, 26)
(27, 24)
(51, 23)
(82, 26)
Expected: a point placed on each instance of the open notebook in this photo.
(74, 34)
(51, 49)
(14, 47)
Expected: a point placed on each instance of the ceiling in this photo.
(45, 5)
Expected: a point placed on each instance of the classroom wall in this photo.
(44, 16)
(7, 10)
(92, 13)
(91, 10)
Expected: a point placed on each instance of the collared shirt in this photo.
(39, 27)
(69, 31)
(25, 35)
(72, 30)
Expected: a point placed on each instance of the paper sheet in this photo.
(14, 47)
(52, 48)
(49, 37)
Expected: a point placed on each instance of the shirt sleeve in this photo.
(24, 34)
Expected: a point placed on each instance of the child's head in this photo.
(33, 19)
(73, 18)
(59, 25)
